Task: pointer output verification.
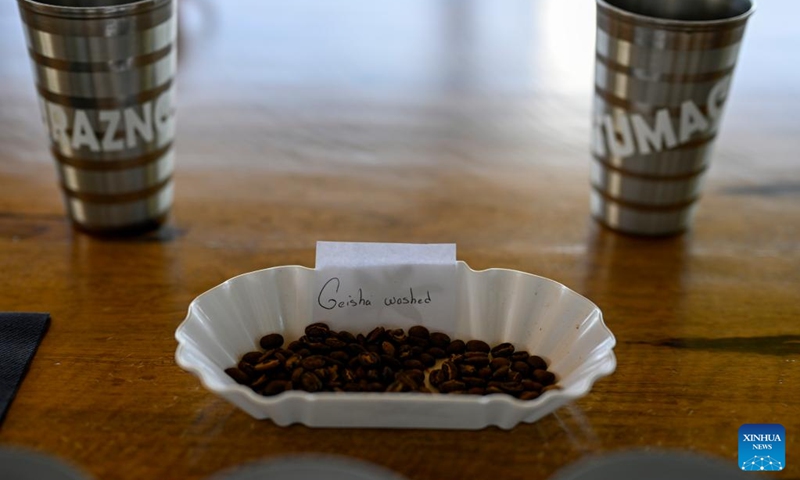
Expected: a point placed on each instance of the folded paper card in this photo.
(361, 285)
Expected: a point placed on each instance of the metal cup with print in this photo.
(105, 71)
(662, 75)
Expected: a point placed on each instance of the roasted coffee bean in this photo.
(437, 352)
(424, 389)
(251, 357)
(427, 360)
(317, 330)
(348, 376)
(521, 367)
(472, 382)
(281, 357)
(319, 348)
(512, 388)
(295, 346)
(268, 355)
(417, 375)
(335, 343)
(373, 375)
(439, 339)
(273, 340)
(346, 337)
(476, 391)
(387, 375)
(501, 373)
(238, 375)
(419, 342)
(531, 386)
(544, 377)
(519, 356)
(494, 383)
(285, 352)
(499, 362)
(503, 350)
(449, 371)
(388, 348)
(537, 363)
(398, 386)
(514, 376)
(361, 339)
(478, 346)
(457, 358)
(551, 387)
(303, 352)
(391, 362)
(334, 363)
(475, 354)
(313, 362)
(376, 387)
(310, 382)
(414, 364)
(436, 377)
(417, 351)
(529, 395)
(354, 349)
(351, 387)
(491, 389)
(452, 386)
(407, 379)
(369, 359)
(292, 362)
(485, 372)
(374, 348)
(419, 331)
(260, 382)
(340, 356)
(323, 374)
(405, 355)
(455, 347)
(353, 362)
(296, 374)
(376, 335)
(467, 370)
(361, 373)
(247, 369)
(398, 335)
(275, 387)
(478, 361)
(268, 365)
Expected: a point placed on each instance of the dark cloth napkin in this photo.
(20, 335)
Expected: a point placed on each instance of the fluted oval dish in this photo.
(496, 305)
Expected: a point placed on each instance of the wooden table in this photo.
(413, 121)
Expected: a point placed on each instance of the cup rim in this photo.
(110, 11)
(674, 23)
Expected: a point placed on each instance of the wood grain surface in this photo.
(413, 121)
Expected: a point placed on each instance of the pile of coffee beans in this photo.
(390, 360)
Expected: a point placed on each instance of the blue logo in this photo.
(762, 447)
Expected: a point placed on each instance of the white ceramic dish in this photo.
(495, 305)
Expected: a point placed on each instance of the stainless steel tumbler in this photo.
(662, 74)
(105, 71)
